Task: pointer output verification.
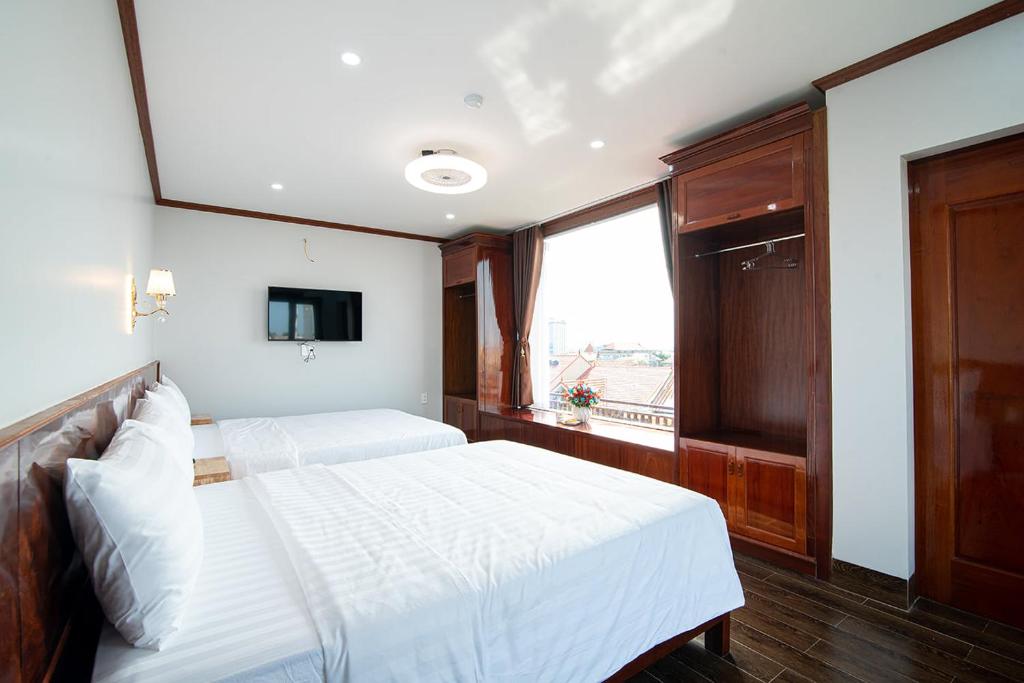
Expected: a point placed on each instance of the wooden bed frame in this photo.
(49, 616)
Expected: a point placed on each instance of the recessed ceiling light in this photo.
(351, 58)
(276, 186)
(596, 144)
(473, 100)
(445, 172)
(450, 216)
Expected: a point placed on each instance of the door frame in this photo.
(929, 579)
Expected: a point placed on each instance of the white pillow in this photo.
(140, 532)
(157, 410)
(176, 394)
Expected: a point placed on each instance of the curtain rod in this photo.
(748, 246)
(588, 205)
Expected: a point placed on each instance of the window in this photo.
(604, 316)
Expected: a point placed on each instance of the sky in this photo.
(609, 283)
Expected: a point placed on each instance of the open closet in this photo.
(752, 365)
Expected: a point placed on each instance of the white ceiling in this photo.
(245, 93)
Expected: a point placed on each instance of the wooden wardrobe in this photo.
(752, 347)
(478, 328)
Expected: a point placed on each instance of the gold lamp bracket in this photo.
(136, 313)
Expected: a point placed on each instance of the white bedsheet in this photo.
(247, 619)
(496, 562)
(254, 445)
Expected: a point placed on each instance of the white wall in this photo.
(75, 204)
(959, 93)
(215, 343)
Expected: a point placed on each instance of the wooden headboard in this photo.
(49, 618)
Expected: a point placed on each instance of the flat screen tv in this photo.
(314, 314)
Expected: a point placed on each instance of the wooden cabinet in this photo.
(650, 462)
(768, 498)
(459, 267)
(752, 357)
(763, 494)
(765, 180)
(461, 413)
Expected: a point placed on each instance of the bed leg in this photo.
(716, 638)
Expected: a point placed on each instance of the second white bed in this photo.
(263, 444)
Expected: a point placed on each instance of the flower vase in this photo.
(581, 414)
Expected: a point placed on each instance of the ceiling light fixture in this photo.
(450, 216)
(596, 144)
(444, 172)
(276, 186)
(351, 58)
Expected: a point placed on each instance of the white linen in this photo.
(247, 618)
(263, 444)
(208, 442)
(498, 562)
(135, 519)
(158, 411)
(166, 385)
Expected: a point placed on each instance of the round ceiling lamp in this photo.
(445, 172)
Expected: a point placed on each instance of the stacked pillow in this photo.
(134, 516)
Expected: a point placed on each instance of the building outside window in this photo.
(604, 317)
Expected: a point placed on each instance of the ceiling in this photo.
(246, 93)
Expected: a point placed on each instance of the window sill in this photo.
(612, 431)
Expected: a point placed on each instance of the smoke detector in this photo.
(443, 171)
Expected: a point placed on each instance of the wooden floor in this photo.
(795, 628)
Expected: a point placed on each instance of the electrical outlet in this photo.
(423, 399)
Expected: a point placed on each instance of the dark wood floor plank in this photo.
(878, 613)
(871, 584)
(672, 670)
(791, 617)
(779, 652)
(931, 657)
(722, 669)
(790, 676)
(759, 570)
(776, 629)
(773, 592)
(1004, 632)
(866, 668)
(643, 677)
(948, 613)
(994, 662)
(987, 639)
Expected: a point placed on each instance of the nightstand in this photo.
(211, 471)
(201, 420)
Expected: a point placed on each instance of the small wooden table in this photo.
(211, 471)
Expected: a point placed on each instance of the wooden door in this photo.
(768, 496)
(967, 275)
(706, 470)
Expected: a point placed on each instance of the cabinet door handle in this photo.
(739, 470)
(732, 216)
(732, 468)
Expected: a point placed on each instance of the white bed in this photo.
(264, 444)
(488, 562)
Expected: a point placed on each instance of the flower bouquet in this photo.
(582, 398)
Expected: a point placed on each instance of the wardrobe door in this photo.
(706, 470)
(769, 497)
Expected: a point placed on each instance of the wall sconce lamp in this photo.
(160, 286)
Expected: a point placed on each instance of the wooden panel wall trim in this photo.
(944, 34)
(784, 123)
(50, 620)
(283, 218)
(133, 50)
(601, 211)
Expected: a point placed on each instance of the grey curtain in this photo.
(668, 228)
(527, 254)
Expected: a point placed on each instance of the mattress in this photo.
(487, 562)
(254, 445)
(247, 619)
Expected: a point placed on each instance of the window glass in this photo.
(604, 318)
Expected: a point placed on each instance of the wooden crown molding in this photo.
(961, 27)
(133, 51)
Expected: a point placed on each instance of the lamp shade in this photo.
(161, 282)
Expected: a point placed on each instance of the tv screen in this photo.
(314, 314)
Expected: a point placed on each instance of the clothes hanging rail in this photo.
(748, 246)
